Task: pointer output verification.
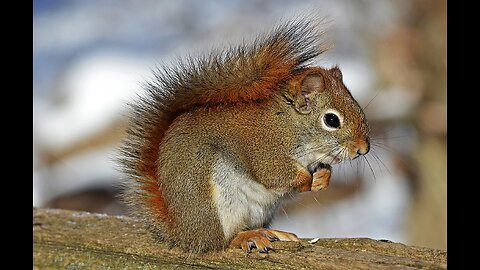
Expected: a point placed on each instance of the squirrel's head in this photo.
(334, 125)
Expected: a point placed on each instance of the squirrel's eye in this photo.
(331, 120)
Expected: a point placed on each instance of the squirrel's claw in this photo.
(260, 239)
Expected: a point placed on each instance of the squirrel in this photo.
(218, 141)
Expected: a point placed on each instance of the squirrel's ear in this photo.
(311, 85)
(337, 73)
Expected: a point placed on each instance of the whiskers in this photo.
(374, 154)
(334, 153)
(312, 148)
(370, 166)
(376, 163)
(382, 152)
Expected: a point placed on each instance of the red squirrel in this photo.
(217, 141)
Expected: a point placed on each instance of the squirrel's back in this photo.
(244, 73)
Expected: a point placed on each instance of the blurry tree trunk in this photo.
(412, 57)
(428, 213)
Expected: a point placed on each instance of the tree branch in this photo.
(69, 240)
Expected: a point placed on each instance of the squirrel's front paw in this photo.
(321, 178)
(260, 239)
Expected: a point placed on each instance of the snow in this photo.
(97, 88)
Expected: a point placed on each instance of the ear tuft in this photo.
(337, 73)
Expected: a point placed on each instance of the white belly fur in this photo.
(242, 203)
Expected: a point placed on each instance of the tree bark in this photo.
(79, 240)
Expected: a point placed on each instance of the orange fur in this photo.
(321, 179)
(303, 182)
(156, 202)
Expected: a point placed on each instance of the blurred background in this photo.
(90, 58)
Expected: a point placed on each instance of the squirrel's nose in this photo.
(362, 146)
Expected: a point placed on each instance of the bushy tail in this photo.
(244, 73)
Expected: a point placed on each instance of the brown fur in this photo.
(240, 113)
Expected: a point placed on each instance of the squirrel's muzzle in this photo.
(360, 147)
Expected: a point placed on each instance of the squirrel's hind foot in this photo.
(260, 239)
